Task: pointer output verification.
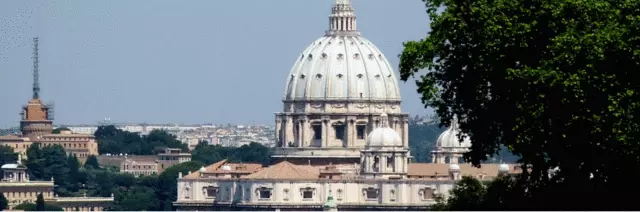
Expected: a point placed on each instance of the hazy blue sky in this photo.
(177, 61)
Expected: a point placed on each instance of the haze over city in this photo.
(176, 61)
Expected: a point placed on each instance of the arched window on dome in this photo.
(391, 164)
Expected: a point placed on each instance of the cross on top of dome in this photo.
(342, 20)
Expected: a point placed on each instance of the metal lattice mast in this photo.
(36, 78)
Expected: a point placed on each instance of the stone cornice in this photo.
(337, 114)
(342, 101)
(366, 181)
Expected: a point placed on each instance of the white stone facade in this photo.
(291, 194)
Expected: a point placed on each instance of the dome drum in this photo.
(342, 107)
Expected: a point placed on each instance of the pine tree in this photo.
(92, 162)
(40, 203)
(4, 203)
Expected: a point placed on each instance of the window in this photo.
(427, 193)
(264, 193)
(376, 164)
(317, 132)
(307, 194)
(361, 129)
(339, 131)
(371, 193)
(211, 191)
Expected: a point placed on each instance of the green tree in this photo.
(55, 160)
(468, 194)
(92, 162)
(115, 141)
(137, 198)
(253, 152)
(40, 205)
(7, 155)
(161, 138)
(210, 154)
(60, 129)
(167, 190)
(101, 182)
(51, 162)
(73, 176)
(4, 203)
(35, 162)
(552, 81)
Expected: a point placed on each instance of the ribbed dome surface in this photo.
(342, 65)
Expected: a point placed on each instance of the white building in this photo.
(384, 180)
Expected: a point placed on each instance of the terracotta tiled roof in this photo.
(435, 169)
(234, 168)
(237, 168)
(285, 170)
(195, 175)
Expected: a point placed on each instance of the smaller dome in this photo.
(449, 138)
(383, 135)
(454, 167)
(12, 166)
(503, 168)
(202, 169)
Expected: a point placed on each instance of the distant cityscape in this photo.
(191, 134)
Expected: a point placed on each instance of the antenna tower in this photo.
(36, 78)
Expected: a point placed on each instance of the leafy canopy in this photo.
(115, 141)
(553, 81)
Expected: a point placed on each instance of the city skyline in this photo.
(121, 61)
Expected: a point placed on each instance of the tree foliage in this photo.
(92, 162)
(4, 203)
(167, 187)
(115, 141)
(40, 205)
(51, 162)
(470, 194)
(254, 152)
(553, 81)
